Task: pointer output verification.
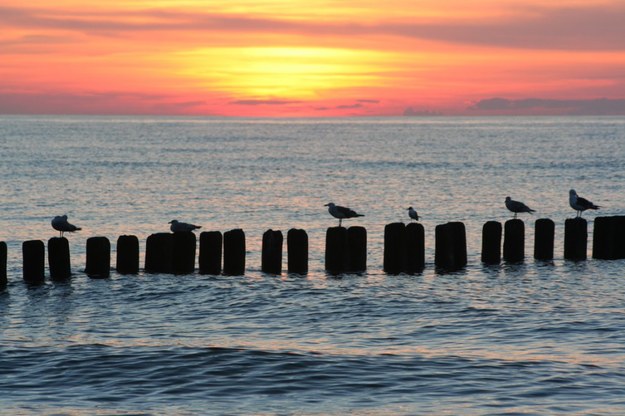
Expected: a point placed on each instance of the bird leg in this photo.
(340, 221)
(515, 215)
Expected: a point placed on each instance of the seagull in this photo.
(580, 204)
(60, 224)
(517, 206)
(413, 214)
(181, 227)
(341, 212)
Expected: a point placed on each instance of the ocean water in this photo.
(531, 338)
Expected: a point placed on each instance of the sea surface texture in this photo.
(534, 338)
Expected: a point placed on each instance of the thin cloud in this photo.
(568, 28)
(599, 106)
(263, 102)
(369, 101)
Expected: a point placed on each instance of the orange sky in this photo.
(313, 57)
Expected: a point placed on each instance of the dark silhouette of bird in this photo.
(61, 224)
(341, 212)
(413, 214)
(517, 206)
(580, 204)
(181, 227)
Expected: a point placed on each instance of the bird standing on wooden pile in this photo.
(341, 212)
(580, 204)
(181, 227)
(412, 213)
(517, 206)
(61, 224)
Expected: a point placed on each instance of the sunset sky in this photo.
(312, 58)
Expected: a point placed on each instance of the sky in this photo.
(313, 58)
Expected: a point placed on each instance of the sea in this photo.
(529, 338)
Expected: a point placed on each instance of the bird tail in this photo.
(198, 226)
(531, 211)
(360, 215)
(77, 229)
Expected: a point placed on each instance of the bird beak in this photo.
(326, 205)
(169, 222)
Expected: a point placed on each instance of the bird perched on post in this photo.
(580, 204)
(341, 212)
(61, 224)
(517, 206)
(181, 227)
(413, 214)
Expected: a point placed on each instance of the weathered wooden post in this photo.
(491, 242)
(297, 249)
(211, 243)
(394, 248)
(575, 238)
(271, 258)
(98, 257)
(34, 263)
(543, 239)
(127, 254)
(414, 261)
(608, 241)
(159, 253)
(357, 246)
(3, 265)
(184, 246)
(337, 250)
(234, 252)
(451, 246)
(514, 241)
(59, 259)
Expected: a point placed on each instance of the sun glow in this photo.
(286, 72)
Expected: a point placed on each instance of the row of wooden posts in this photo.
(346, 249)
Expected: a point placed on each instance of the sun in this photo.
(296, 73)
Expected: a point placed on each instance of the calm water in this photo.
(536, 338)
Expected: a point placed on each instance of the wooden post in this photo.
(394, 248)
(159, 253)
(357, 246)
(3, 265)
(234, 253)
(491, 242)
(127, 254)
(211, 243)
(59, 259)
(337, 250)
(543, 239)
(575, 238)
(414, 260)
(34, 263)
(514, 241)
(271, 259)
(451, 246)
(297, 248)
(183, 261)
(98, 257)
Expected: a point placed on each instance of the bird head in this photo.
(173, 222)
(408, 209)
(508, 199)
(572, 192)
(329, 204)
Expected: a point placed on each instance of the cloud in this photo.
(94, 103)
(348, 106)
(369, 101)
(598, 106)
(264, 102)
(588, 27)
